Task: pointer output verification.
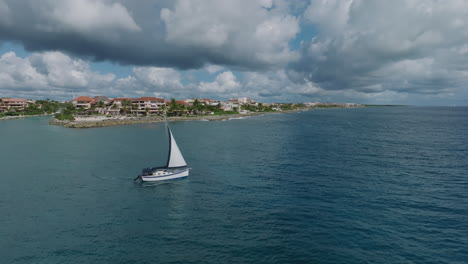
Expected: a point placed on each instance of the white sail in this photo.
(175, 156)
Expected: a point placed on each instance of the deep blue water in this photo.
(367, 185)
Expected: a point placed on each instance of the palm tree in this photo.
(163, 108)
(197, 106)
(134, 107)
(126, 104)
(180, 108)
(173, 105)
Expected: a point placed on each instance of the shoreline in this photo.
(21, 116)
(124, 120)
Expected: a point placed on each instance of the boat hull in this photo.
(170, 176)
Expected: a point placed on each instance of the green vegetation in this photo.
(40, 107)
(126, 106)
(62, 116)
(262, 108)
(67, 112)
(49, 106)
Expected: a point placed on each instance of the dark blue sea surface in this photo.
(366, 185)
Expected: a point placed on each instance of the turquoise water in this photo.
(368, 185)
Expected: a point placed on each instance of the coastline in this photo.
(122, 120)
(22, 116)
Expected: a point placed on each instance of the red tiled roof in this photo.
(181, 102)
(13, 100)
(148, 99)
(83, 98)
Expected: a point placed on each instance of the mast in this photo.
(170, 145)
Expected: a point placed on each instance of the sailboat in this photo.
(175, 168)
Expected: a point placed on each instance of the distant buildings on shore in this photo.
(14, 104)
(318, 104)
(154, 105)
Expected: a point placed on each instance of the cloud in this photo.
(161, 79)
(376, 46)
(16, 72)
(182, 34)
(57, 75)
(213, 68)
(278, 84)
(87, 16)
(47, 74)
(236, 30)
(4, 13)
(335, 50)
(224, 83)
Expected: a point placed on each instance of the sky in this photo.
(358, 51)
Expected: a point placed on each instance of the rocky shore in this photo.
(117, 121)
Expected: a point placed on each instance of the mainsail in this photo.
(175, 159)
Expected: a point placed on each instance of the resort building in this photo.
(148, 105)
(3, 107)
(182, 102)
(243, 101)
(83, 102)
(13, 104)
(231, 105)
(101, 98)
(205, 101)
(116, 105)
(215, 103)
(189, 101)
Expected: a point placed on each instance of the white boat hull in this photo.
(168, 176)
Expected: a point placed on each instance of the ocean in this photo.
(363, 185)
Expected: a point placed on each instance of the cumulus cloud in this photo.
(277, 84)
(49, 73)
(234, 29)
(224, 83)
(213, 68)
(161, 79)
(376, 46)
(335, 50)
(87, 16)
(16, 72)
(183, 34)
